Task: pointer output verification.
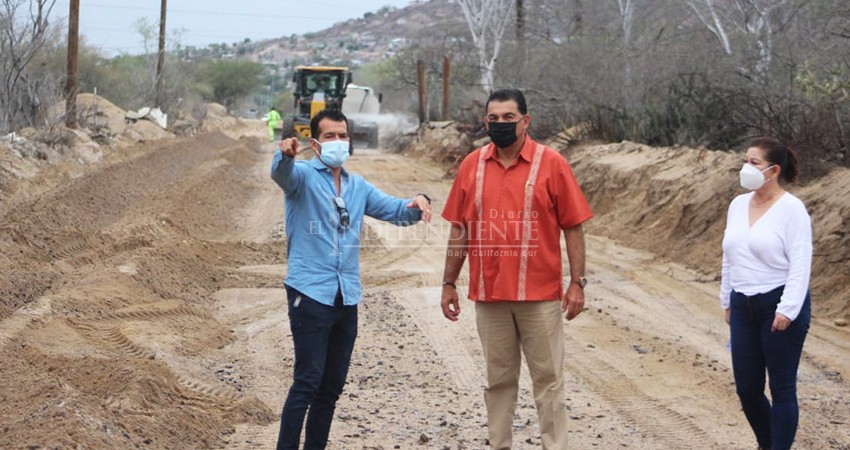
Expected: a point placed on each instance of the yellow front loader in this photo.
(316, 88)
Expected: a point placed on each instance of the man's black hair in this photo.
(503, 95)
(333, 115)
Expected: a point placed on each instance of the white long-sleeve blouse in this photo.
(774, 251)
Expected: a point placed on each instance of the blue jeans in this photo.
(754, 349)
(323, 337)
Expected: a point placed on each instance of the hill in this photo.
(357, 41)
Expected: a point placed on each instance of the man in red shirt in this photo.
(508, 205)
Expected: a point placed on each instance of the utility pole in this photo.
(420, 78)
(520, 21)
(447, 74)
(520, 28)
(578, 17)
(160, 60)
(71, 82)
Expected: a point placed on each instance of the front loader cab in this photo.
(316, 88)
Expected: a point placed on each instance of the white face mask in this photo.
(334, 153)
(751, 177)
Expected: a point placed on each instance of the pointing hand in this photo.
(289, 147)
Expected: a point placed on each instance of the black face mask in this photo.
(503, 134)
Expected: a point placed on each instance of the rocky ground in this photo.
(141, 307)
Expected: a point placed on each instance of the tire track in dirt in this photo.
(73, 246)
(262, 346)
(205, 392)
(108, 331)
(22, 319)
(648, 334)
(114, 337)
(652, 418)
(179, 313)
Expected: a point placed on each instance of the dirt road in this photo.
(142, 307)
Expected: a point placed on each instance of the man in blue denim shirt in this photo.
(325, 206)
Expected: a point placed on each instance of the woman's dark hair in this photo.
(778, 153)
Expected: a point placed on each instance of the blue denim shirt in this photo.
(322, 256)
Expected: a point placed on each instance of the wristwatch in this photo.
(581, 281)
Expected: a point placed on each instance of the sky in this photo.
(110, 24)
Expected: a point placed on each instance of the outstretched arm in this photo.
(283, 172)
(398, 211)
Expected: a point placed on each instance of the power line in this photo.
(214, 13)
(185, 32)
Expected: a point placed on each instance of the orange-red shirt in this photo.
(513, 218)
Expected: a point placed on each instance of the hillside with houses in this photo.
(352, 43)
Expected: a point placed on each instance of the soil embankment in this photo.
(673, 201)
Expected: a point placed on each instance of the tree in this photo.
(487, 21)
(23, 91)
(755, 21)
(395, 77)
(231, 81)
(707, 13)
(627, 15)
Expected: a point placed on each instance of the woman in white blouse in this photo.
(767, 260)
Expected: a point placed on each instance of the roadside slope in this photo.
(673, 202)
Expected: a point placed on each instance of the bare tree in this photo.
(627, 15)
(552, 21)
(23, 33)
(487, 21)
(399, 73)
(150, 32)
(707, 13)
(756, 21)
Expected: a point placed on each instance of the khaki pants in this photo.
(537, 329)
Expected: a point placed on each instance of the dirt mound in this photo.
(107, 122)
(444, 142)
(105, 282)
(102, 130)
(217, 118)
(99, 113)
(828, 201)
(673, 202)
(103, 133)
